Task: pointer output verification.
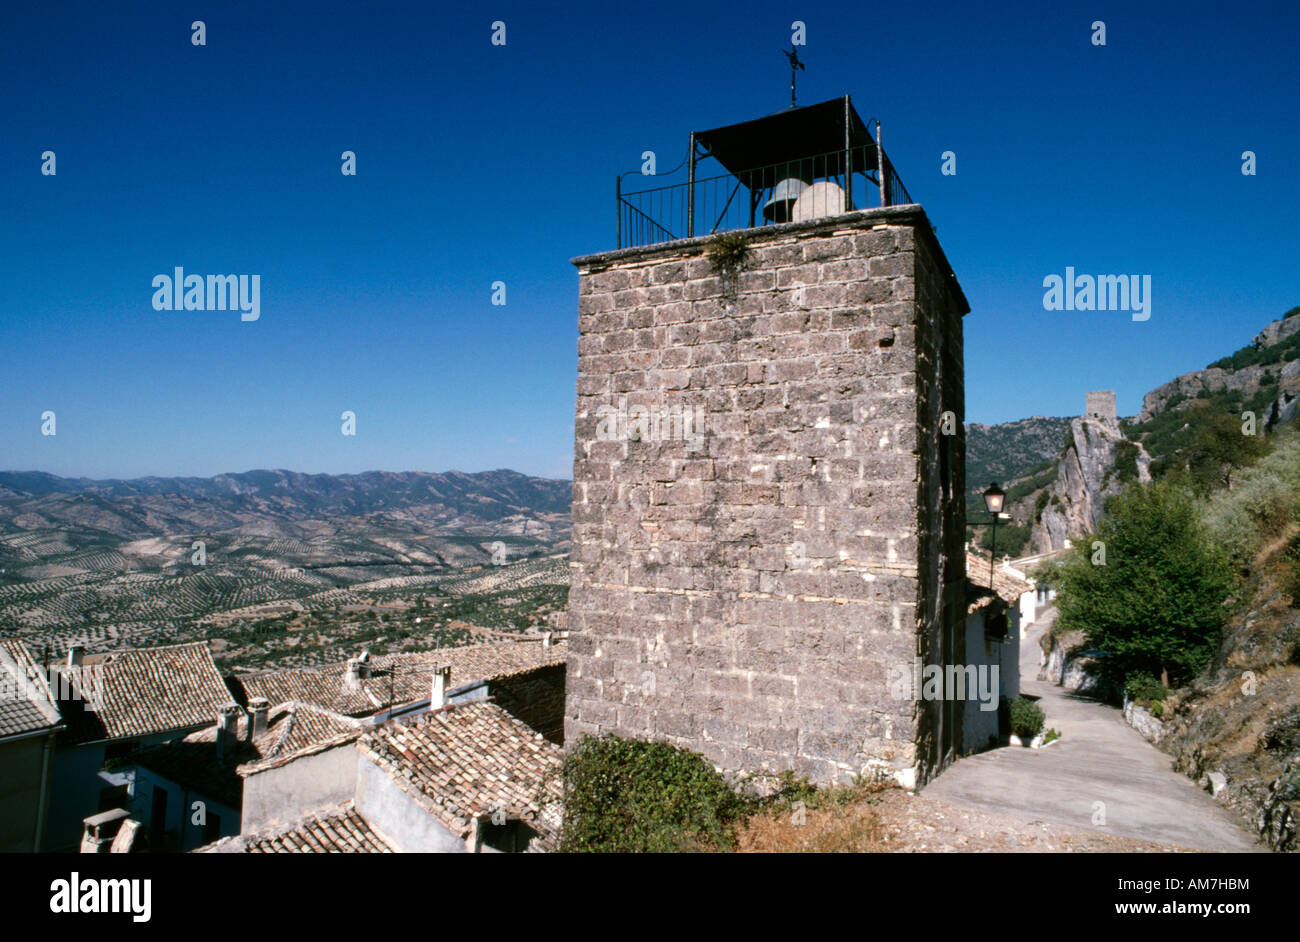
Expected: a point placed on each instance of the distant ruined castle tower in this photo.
(768, 496)
(1100, 405)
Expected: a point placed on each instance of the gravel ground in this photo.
(917, 824)
(897, 821)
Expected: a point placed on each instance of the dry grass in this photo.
(845, 821)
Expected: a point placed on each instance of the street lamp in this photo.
(993, 498)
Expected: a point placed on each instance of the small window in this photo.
(212, 828)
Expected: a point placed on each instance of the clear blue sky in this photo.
(479, 163)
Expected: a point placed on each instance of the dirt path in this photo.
(1101, 766)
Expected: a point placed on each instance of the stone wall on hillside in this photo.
(767, 515)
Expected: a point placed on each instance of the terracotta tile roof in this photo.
(26, 702)
(412, 679)
(979, 598)
(338, 829)
(1007, 585)
(293, 729)
(153, 690)
(323, 687)
(470, 760)
(305, 725)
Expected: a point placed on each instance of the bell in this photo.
(824, 198)
(777, 208)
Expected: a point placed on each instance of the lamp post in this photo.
(993, 498)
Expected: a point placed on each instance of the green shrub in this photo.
(1026, 718)
(792, 788)
(727, 251)
(1143, 686)
(1231, 527)
(1268, 500)
(1012, 539)
(1126, 465)
(1292, 586)
(631, 796)
(1040, 503)
(1240, 519)
(1018, 492)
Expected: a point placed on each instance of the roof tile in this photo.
(470, 760)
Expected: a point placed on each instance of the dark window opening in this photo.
(158, 813)
(115, 796)
(509, 838)
(121, 748)
(212, 828)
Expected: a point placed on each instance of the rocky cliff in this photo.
(1098, 461)
(1247, 372)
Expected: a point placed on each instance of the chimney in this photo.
(258, 708)
(358, 669)
(441, 681)
(227, 729)
(546, 640)
(75, 653)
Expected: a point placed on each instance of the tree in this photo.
(1218, 447)
(1153, 594)
(1011, 539)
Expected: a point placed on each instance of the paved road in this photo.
(1099, 758)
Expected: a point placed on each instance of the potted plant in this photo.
(1027, 721)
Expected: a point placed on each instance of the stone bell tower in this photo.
(768, 497)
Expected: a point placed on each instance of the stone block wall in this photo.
(1100, 405)
(767, 516)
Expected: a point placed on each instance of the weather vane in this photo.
(795, 65)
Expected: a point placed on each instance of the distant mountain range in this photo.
(276, 502)
(1024, 456)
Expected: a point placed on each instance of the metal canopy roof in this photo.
(790, 135)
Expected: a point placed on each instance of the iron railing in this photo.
(739, 201)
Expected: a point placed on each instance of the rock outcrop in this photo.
(1247, 380)
(1091, 469)
(1236, 730)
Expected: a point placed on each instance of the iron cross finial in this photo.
(795, 64)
